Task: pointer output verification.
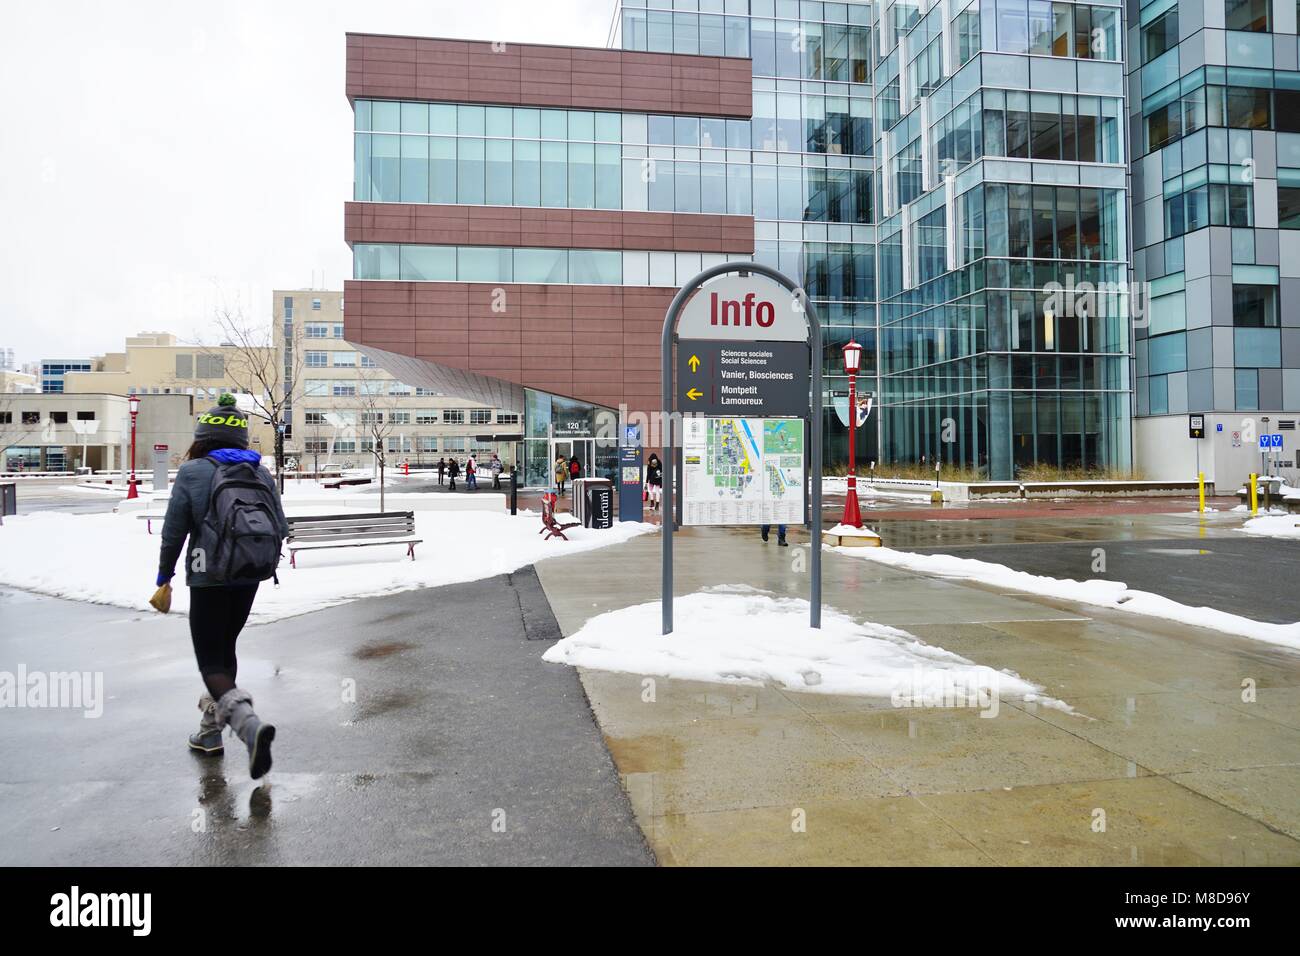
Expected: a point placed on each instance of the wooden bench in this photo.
(317, 532)
(550, 527)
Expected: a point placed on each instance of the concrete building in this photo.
(53, 372)
(157, 363)
(15, 381)
(1214, 109)
(67, 431)
(328, 414)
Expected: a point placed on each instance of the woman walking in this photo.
(561, 474)
(654, 481)
(453, 469)
(228, 507)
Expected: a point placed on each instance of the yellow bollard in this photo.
(1200, 479)
(1254, 495)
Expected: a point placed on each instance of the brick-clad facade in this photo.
(525, 74)
(595, 343)
(554, 228)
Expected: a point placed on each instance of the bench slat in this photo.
(321, 545)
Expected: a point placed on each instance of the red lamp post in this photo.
(852, 362)
(133, 403)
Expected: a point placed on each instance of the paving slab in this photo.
(1186, 771)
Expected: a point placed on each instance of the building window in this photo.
(59, 418)
(507, 418)
(345, 359)
(338, 330)
(210, 366)
(1246, 383)
(85, 416)
(317, 330)
(426, 417)
(31, 418)
(344, 389)
(368, 362)
(372, 418)
(1254, 306)
(480, 416)
(453, 444)
(314, 418)
(1248, 15)
(288, 307)
(453, 416)
(317, 359)
(400, 418)
(6, 418)
(184, 365)
(315, 305)
(1160, 35)
(1288, 207)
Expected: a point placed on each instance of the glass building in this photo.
(1215, 116)
(1049, 224)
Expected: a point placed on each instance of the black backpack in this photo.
(239, 533)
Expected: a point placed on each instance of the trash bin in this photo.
(8, 499)
(598, 510)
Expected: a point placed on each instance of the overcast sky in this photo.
(160, 158)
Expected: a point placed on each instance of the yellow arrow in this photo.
(694, 363)
(694, 394)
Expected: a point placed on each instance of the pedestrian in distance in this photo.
(442, 469)
(471, 474)
(228, 507)
(654, 481)
(575, 469)
(561, 474)
(453, 470)
(780, 534)
(496, 468)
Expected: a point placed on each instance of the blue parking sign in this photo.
(1276, 440)
(1263, 442)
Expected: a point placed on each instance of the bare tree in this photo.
(270, 375)
(377, 403)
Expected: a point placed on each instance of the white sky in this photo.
(160, 158)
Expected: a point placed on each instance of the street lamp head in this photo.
(852, 357)
(133, 403)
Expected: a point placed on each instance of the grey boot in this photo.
(208, 739)
(235, 708)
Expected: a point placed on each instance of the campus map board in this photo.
(743, 471)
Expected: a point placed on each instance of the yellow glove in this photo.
(162, 598)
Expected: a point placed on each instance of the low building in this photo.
(12, 380)
(157, 363)
(67, 431)
(329, 415)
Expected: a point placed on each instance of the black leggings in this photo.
(217, 615)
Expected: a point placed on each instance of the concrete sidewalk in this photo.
(1167, 766)
(459, 746)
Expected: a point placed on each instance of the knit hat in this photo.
(224, 423)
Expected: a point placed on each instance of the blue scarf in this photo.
(228, 456)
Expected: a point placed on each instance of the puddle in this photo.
(369, 652)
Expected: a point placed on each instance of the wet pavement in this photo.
(61, 494)
(457, 746)
(1185, 749)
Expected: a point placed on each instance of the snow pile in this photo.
(737, 635)
(1274, 526)
(842, 529)
(1109, 594)
(110, 559)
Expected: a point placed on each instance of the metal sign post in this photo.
(745, 362)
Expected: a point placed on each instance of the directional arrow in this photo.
(694, 394)
(694, 363)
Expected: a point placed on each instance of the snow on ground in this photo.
(111, 559)
(1274, 526)
(1100, 593)
(739, 635)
